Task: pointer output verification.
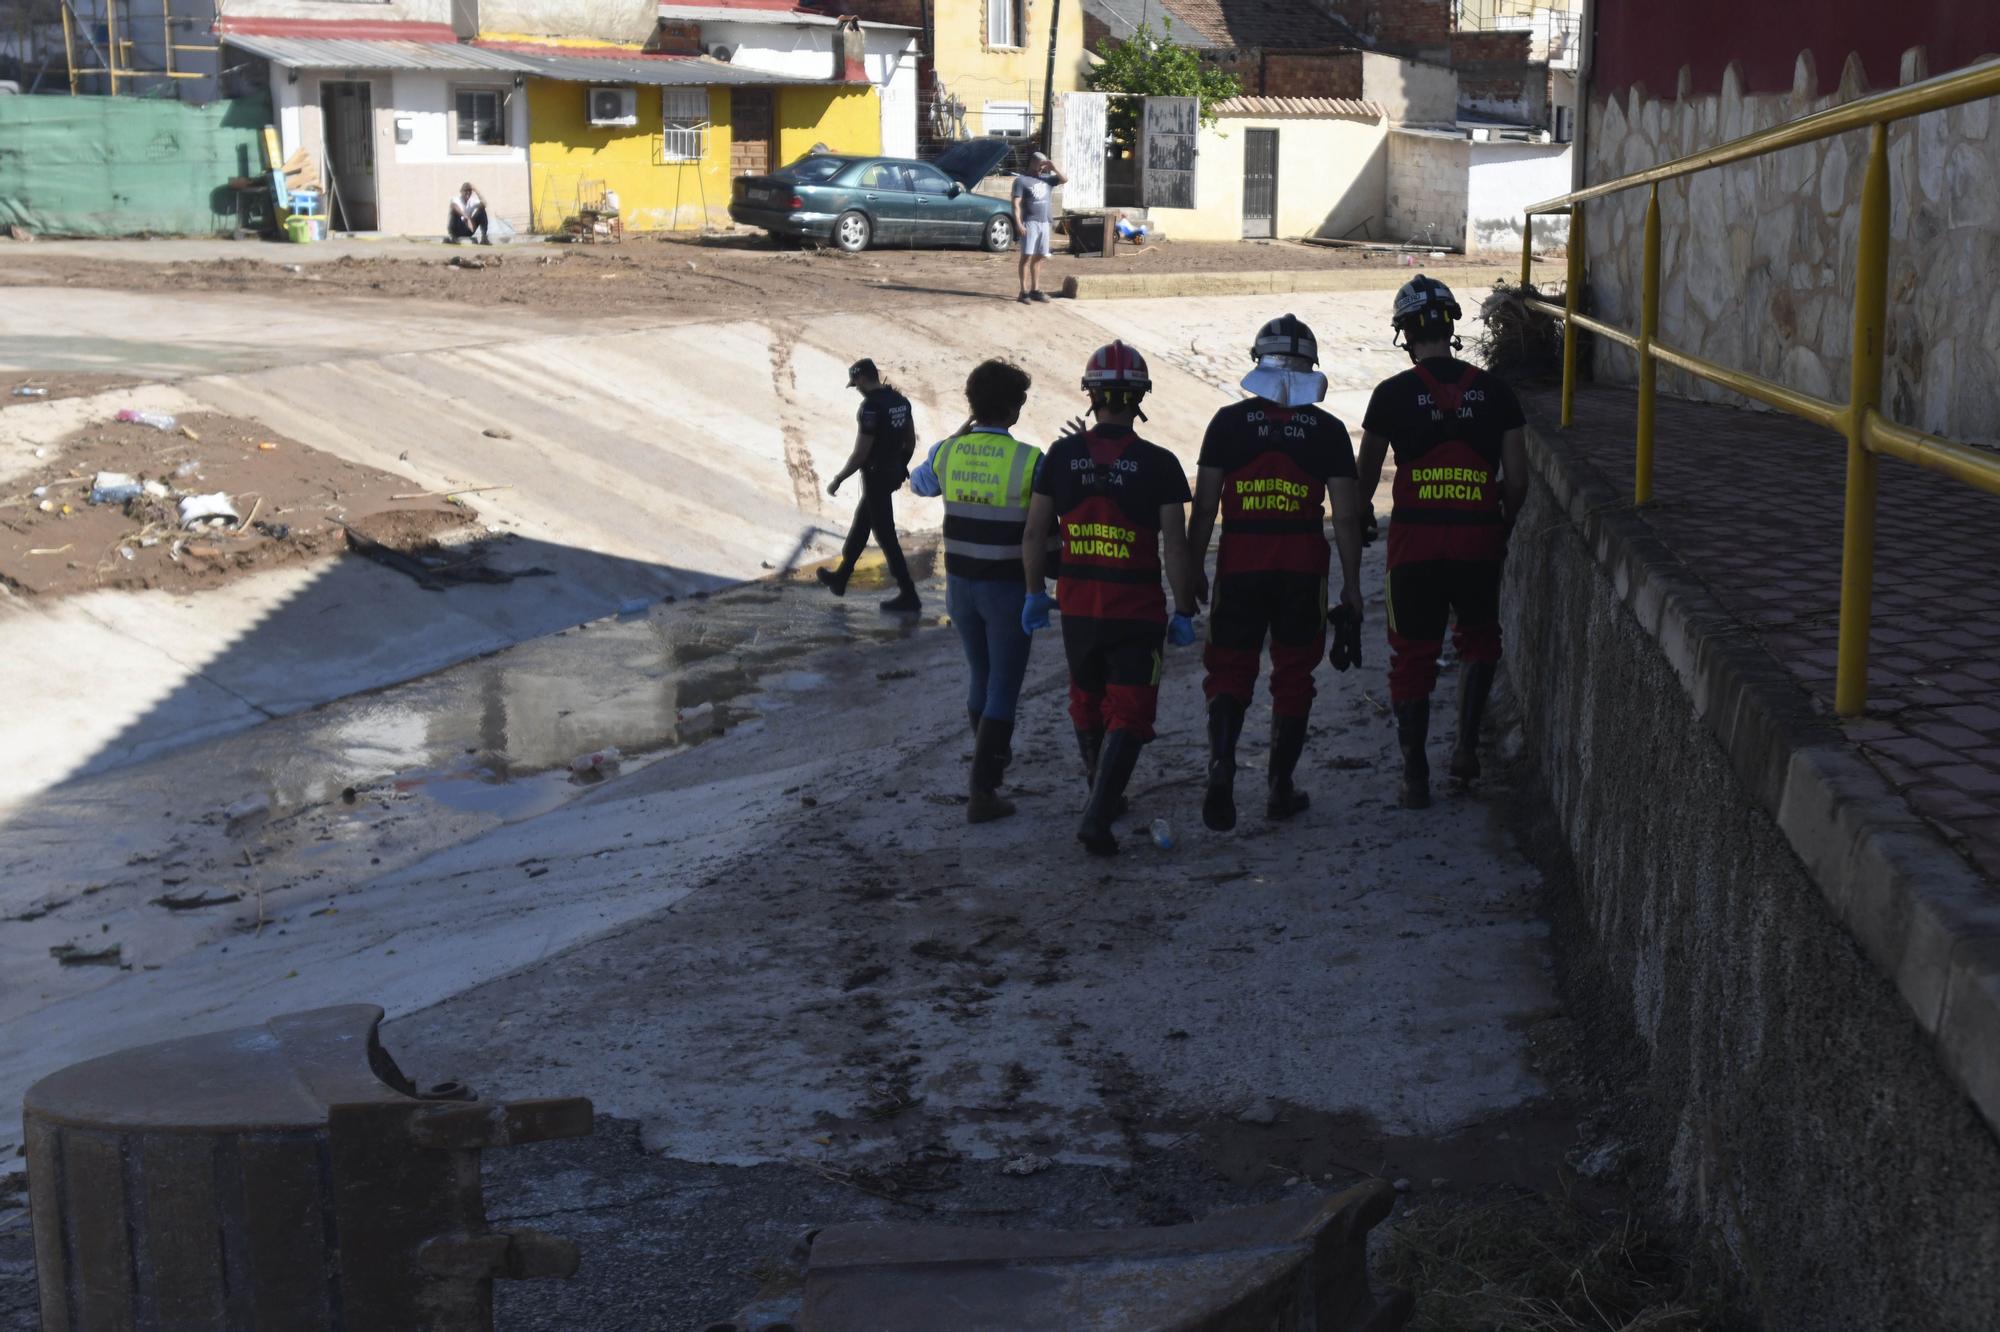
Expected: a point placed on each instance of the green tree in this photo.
(1155, 65)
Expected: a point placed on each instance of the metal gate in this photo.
(1260, 184)
(750, 132)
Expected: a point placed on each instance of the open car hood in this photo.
(972, 160)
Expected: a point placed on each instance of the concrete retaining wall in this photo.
(1794, 1114)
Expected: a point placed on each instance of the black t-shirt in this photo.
(1444, 420)
(886, 415)
(1108, 487)
(1275, 463)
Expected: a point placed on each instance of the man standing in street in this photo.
(885, 439)
(1117, 502)
(1269, 464)
(1461, 478)
(986, 478)
(1033, 190)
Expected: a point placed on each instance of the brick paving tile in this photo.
(1751, 503)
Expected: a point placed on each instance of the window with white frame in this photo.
(479, 117)
(1003, 22)
(1008, 120)
(684, 124)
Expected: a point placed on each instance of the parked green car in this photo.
(856, 202)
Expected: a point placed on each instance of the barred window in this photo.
(684, 122)
(481, 116)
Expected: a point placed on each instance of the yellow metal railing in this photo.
(1868, 432)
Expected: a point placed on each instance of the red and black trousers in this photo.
(1288, 608)
(1114, 673)
(1425, 598)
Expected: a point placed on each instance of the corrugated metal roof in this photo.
(677, 72)
(347, 53)
(1345, 108)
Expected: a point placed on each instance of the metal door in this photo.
(934, 220)
(349, 126)
(749, 132)
(1167, 130)
(1260, 184)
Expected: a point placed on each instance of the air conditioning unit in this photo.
(614, 106)
(722, 52)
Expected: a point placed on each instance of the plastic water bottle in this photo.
(29, 391)
(1163, 834)
(157, 420)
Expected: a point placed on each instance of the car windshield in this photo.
(813, 168)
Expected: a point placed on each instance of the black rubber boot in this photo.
(834, 580)
(989, 761)
(905, 602)
(1107, 795)
(1288, 741)
(1225, 727)
(1413, 725)
(1088, 744)
(1475, 683)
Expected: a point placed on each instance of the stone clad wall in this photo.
(1758, 258)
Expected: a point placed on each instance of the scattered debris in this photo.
(114, 488)
(73, 955)
(21, 234)
(1261, 1111)
(596, 765)
(266, 446)
(1030, 1164)
(445, 494)
(30, 391)
(247, 810)
(195, 901)
(697, 722)
(157, 420)
(495, 432)
(1606, 1161)
(901, 673)
(211, 509)
(435, 572)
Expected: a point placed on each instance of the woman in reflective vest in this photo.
(986, 478)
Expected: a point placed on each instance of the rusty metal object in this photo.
(1287, 1267)
(281, 1177)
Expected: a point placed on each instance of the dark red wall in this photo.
(1647, 41)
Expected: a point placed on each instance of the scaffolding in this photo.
(117, 57)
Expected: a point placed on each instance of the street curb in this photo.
(1927, 919)
(1126, 286)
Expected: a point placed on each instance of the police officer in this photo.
(1269, 464)
(884, 441)
(986, 478)
(1461, 477)
(1116, 501)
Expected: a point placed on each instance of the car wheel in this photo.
(851, 232)
(999, 233)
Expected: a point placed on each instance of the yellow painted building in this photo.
(671, 150)
(992, 63)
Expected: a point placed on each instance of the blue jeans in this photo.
(987, 612)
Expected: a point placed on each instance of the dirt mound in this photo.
(289, 500)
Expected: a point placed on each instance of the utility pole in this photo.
(1049, 81)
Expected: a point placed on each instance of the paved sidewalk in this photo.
(1751, 502)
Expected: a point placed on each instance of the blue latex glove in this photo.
(1035, 612)
(1180, 631)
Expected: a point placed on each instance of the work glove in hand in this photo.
(1180, 631)
(1346, 650)
(1035, 612)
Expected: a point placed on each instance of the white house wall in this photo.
(414, 181)
(806, 52)
(1506, 177)
(1332, 174)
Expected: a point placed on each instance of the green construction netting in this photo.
(125, 166)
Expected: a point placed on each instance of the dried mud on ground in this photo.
(733, 274)
(58, 384)
(290, 499)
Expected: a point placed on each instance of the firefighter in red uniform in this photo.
(1461, 477)
(1269, 464)
(1116, 501)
